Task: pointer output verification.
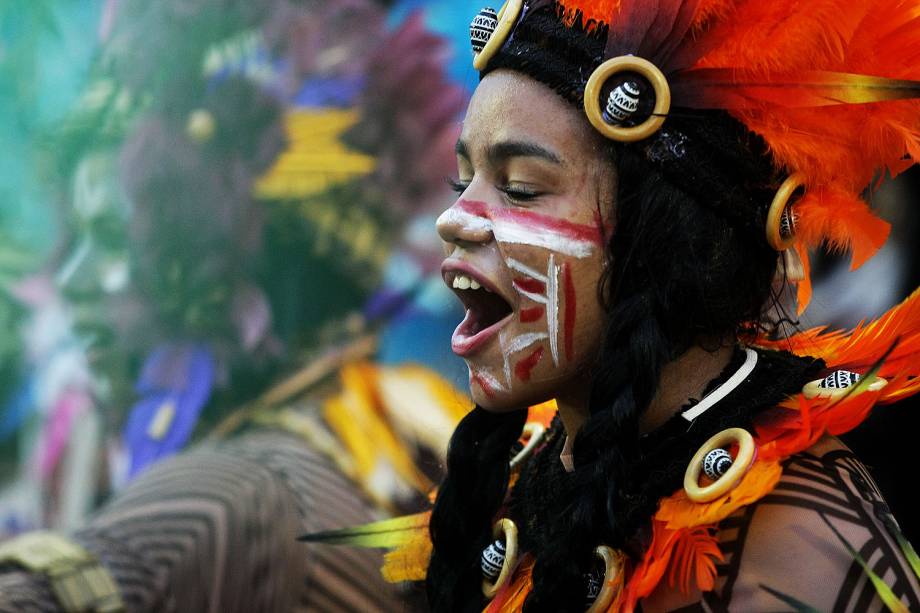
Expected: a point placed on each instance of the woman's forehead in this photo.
(509, 106)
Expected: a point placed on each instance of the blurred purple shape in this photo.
(252, 315)
(387, 304)
(175, 383)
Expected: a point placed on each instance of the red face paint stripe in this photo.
(481, 381)
(529, 285)
(523, 368)
(538, 221)
(473, 207)
(569, 322)
(532, 314)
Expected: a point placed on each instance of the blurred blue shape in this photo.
(175, 384)
(17, 408)
(420, 331)
(323, 92)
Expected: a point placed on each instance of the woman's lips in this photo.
(466, 339)
(464, 344)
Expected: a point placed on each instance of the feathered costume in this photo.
(833, 88)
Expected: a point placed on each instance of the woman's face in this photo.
(525, 243)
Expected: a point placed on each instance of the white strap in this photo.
(750, 361)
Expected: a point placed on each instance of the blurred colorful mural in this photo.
(198, 200)
(208, 208)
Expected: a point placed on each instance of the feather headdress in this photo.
(832, 87)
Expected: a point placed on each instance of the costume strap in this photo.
(80, 583)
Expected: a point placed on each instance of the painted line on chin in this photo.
(487, 382)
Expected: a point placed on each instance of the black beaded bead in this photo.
(622, 103)
(787, 222)
(492, 561)
(839, 379)
(482, 27)
(716, 463)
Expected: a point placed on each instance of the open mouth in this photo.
(486, 313)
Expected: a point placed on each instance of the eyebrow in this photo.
(502, 151)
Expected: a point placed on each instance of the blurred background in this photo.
(205, 204)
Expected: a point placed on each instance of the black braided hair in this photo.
(470, 495)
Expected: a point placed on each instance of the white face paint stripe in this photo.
(523, 268)
(546, 239)
(506, 355)
(491, 380)
(470, 223)
(524, 341)
(538, 298)
(552, 304)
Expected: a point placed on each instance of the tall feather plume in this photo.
(833, 87)
(794, 64)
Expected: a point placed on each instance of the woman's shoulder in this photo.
(807, 544)
(816, 538)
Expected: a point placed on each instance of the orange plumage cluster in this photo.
(831, 85)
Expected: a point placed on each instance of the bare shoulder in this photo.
(797, 543)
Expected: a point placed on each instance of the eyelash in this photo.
(515, 195)
(455, 185)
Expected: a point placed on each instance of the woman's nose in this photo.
(459, 226)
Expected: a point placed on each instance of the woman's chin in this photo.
(504, 402)
(496, 405)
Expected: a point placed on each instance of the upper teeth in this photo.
(464, 282)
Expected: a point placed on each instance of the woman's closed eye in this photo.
(457, 185)
(517, 194)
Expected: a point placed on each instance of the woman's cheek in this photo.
(544, 341)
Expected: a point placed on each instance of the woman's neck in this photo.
(685, 378)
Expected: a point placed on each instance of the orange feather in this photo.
(678, 511)
(511, 597)
(598, 11)
(861, 348)
(682, 553)
(841, 220)
(709, 10)
(803, 291)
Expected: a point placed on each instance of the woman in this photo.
(631, 179)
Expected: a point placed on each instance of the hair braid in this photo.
(469, 497)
